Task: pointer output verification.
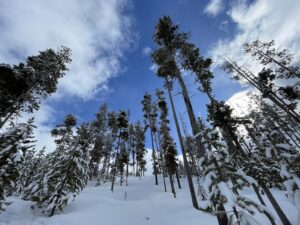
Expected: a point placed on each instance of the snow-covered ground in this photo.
(140, 203)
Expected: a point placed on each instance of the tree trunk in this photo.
(193, 121)
(222, 217)
(177, 177)
(172, 184)
(186, 165)
(127, 171)
(276, 206)
(164, 179)
(154, 158)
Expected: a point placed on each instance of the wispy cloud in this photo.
(264, 20)
(97, 31)
(153, 68)
(147, 51)
(214, 7)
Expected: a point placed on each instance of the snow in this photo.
(140, 203)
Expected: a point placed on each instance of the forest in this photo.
(219, 158)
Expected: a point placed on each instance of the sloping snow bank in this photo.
(140, 203)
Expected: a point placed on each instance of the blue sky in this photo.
(109, 38)
(127, 89)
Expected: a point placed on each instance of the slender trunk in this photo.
(186, 165)
(222, 216)
(121, 181)
(115, 167)
(193, 121)
(154, 158)
(172, 184)
(276, 206)
(177, 177)
(256, 189)
(127, 171)
(133, 163)
(164, 179)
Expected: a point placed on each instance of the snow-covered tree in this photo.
(140, 148)
(11, 146)
(222, 180)
(23, 86)
(67, 169)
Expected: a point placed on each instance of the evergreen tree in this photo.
(36, 170)
(264, 82)
(99, 129)
(222, 180)
(11, 146)
(170, 40)
(268, 55)
(150, 114)
(67, 172)
(140, 148)
(122, 137)
(167, 143)
(23, 86)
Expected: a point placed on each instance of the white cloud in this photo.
(214, 7)
(153, 68)
(97, 31)
(264, 20)
(147, 51)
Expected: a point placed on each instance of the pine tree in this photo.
(140, 148)
(268, 55)
(132, 148)
(24, 85)
(67, 172)
(11, 146)
(264, 82)
(99, 129)
(37, 169)
(170, 41)
(222, 180)
(122, 137)
(150, 114)
(167, 143)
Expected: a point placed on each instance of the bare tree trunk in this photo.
(276, 206)
(172, 184)
(115, 167)
(127, 171)
(154, 158)
(186, 165)
(193, 121)
(177, 177)
(222, 217)
(164, 179)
